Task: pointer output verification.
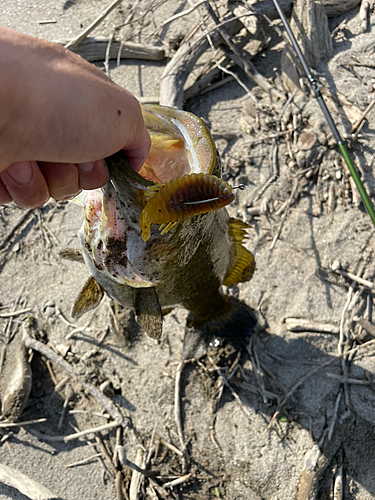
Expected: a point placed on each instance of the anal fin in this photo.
(148, 311)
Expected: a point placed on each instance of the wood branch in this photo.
(309, 25)
(182, 63)
(242, 58)
(204, 81)
(306, 325)
(24, 484)
(94, 49)
(319, 457)
(44, 350)
(332, 7)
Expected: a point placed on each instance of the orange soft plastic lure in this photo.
(183, 198)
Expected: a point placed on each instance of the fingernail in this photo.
(20, 172)
(70, 196)
(86, 167)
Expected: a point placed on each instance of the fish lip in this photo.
(128, 185)
(182, 125)
(120, 171)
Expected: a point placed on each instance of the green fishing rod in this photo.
(327, 115)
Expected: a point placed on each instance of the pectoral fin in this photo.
(243, 263)
(88, 298)
(72, 254)
(148, 311)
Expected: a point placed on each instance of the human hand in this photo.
(60, 117)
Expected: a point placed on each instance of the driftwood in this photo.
(206, 79)
(319, 457)
(182, 63)
(24, 484)
(94, 49)
(331, 7)
(309, 24)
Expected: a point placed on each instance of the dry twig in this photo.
(177, 403)
(16, 313)
(303, 380)
(107, 52)
(76, 41)
(170, 446)
(360, 120)
(354, 277)
(83, 461)
(307, 325)
(178, 481)
(5, 425)
(112, 409)
(77, 435)
(242, 59)
(182, 14)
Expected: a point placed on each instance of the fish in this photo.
(163, 237)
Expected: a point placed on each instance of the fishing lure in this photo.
(183, 198)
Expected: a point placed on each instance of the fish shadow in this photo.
(291, 382)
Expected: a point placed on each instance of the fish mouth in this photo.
(180, 145)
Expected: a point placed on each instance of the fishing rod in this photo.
(327, 115)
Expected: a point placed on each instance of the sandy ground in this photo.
(239, 447)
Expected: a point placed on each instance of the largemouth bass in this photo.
(162, 237)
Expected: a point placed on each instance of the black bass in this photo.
(163, 237)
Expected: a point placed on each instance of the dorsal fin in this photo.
(244, 263)
(88, 298)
